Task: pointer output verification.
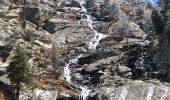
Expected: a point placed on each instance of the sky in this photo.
(155, 2)
(152, 1)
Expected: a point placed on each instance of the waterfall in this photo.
(124, 93)
(110, 93)
(98, 36)
(85, 92)
(67, 71)
(67, 74)
(151, 89)
(165, 94)
(95, 41)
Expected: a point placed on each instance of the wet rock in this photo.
(90, 58)
(122, 71)
(124, 44)
(91, 69)
(73, 4)
(78, 77)
(103, 11)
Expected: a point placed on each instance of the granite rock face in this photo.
(121, 67)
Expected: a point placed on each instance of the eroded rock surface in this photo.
(124, 53)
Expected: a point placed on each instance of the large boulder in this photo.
(72, 4)
(103, 11)
(131, 90)
(90, 58)
(30, 14)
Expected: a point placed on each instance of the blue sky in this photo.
(155, 2)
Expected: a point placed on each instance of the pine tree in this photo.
(158, 21)
(18, 70)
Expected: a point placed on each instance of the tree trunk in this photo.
(37, 26)
(17, 92)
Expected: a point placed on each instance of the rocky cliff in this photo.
(107, 49)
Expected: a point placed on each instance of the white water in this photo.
(110, 93)
(23, 97)
(151, 89)
(123, 94)
(98, 36)
(84, 93)
(67, 72)
(165, 94)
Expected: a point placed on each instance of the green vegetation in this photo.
(39, 19)
(19, 70)
(158, 21)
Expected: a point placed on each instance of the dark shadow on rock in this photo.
(7, 90)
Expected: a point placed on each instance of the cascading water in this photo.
(124, 93)
(84, 93)
(67, 74)
(67, 71)
(92, 46)
(165, 94)
(151, 89)
(98, 36)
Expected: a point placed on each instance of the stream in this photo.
(92, 44)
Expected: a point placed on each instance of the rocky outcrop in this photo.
(104, 11)
(159, 66)
(123, 54)
(130, 90)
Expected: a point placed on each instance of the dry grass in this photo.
(52, 84)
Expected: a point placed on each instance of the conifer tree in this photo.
(18, 70)
(158, 21)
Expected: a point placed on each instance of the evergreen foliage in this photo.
(18, 69)
(158, 21)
